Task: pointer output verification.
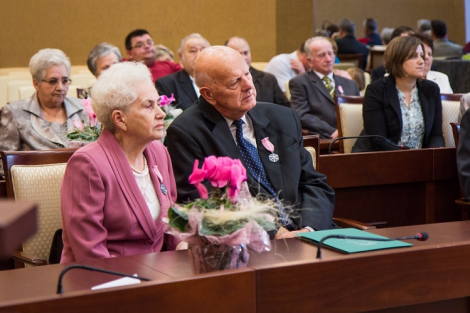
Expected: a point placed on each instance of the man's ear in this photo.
(207, 94)
(119, 119)
(129, 55)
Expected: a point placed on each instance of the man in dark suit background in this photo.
(347, 42)
(267, 88)
(227, 119)
(312, 93)
(181, 84)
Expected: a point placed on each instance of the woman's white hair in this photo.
(46, 58)
(116, 89)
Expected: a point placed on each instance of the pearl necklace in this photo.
(145, 166)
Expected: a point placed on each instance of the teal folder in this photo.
(351, 245)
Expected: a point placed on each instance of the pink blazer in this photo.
(103, 211)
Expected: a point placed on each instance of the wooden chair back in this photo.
(312, 145)
(376, 58)
(39, 157)
(450, 114)
(355, 58)
(349, 120)
(455, 131)
(37, 176)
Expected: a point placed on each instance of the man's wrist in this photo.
(310, 229)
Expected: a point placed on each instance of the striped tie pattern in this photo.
(328, 86)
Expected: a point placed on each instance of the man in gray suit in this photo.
(312, 93)
(443, 48)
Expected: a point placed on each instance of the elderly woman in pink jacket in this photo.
(116, 191)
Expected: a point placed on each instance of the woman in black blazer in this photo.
(402, 107)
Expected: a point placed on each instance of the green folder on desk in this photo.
(351, 245)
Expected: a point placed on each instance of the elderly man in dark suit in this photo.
(227, 121)
(181, 84)
(312, 93)
(267, 88)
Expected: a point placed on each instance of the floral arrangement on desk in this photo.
(170, 111)
(219, 225)
(84, 134)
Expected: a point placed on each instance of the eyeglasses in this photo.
(141, 44)
(53, 82)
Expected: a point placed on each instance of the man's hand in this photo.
(182, 246)
(283, 233)
(334, 135)
(297, 66)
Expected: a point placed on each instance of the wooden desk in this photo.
(401, 187)
(33, 290)
(431, 276)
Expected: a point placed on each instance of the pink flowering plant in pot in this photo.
(85, 133)
(225, 221)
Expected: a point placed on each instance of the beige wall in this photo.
(75, 26)
(270, 26)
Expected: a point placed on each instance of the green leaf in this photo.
(178, 219)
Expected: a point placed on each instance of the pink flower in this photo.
(78, 125)
(196, 177)
(164, 100)
(89, 110)
(211, 166)
(238, 175)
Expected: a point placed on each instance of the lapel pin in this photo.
(160, 178)
(273, 157)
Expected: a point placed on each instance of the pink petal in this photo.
(202, 190)
(86, 102)
(78, 124)
(197, 175)
(211, 167)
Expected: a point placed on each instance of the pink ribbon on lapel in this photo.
(159, 175)
(267, 144)
(340, 89)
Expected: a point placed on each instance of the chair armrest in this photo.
(464, 205)
(27, 259)
(346, 223)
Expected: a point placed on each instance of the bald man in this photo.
(267, 88)
(227, 121)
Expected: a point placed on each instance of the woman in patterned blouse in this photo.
(402, 107)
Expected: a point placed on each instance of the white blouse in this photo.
(144, 181)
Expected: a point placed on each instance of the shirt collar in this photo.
(330, 76)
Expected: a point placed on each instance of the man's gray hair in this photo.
(347, 26)
(424, 25)
(194, 35)
(386, 35)
(44, 59)
(99, 51)
(309, 41)
(116, 89)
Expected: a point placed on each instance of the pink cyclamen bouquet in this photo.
(85, 133)
(227, 214)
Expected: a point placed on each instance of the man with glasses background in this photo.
(141, 48)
